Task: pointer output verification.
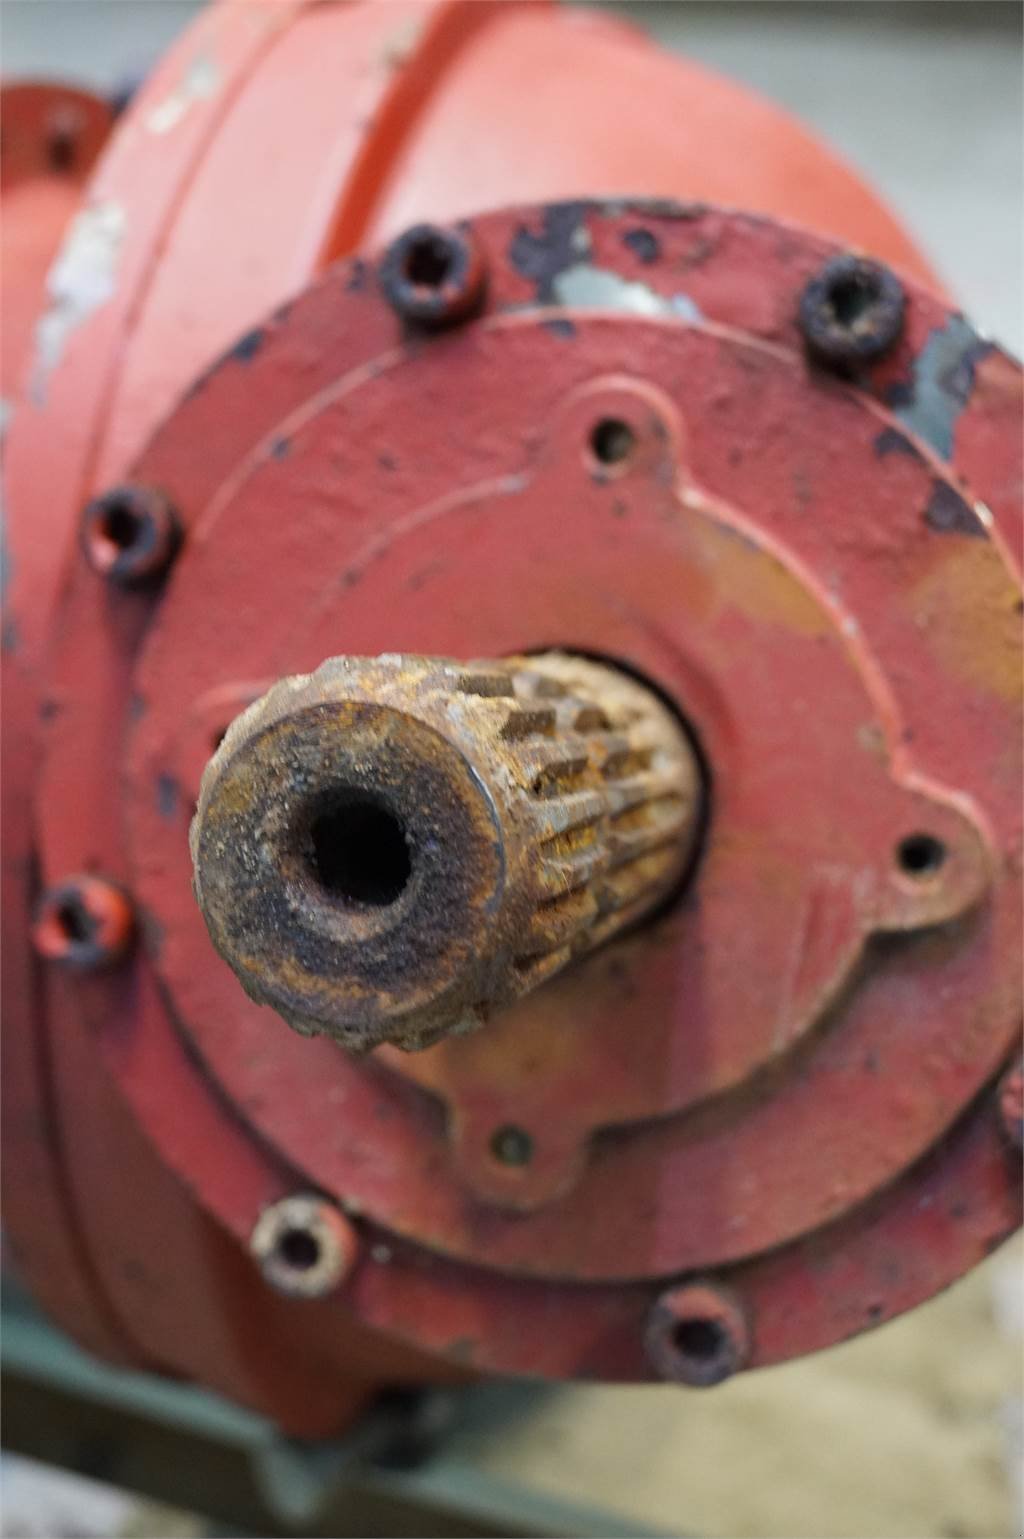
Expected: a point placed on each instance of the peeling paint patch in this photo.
(948, 513)
(401, 45)
(562, 241)
(200, 82)
(556, 261)
(595, 288)
(943, 379)
(82, 279)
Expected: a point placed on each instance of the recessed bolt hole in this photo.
(121, 525)
(612, 441)
(852, 297)
(299, 1249)
(700, 1341)
(920, 855)
(60, 150)
(428, 262)
(512, 1146)
(75, 923)
(359, 852)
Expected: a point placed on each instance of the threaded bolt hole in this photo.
(358, 851)
(428, 262)
(612, 441)
(699, 1340)
(299, 1249)
(75, 923)
(920, 855)
(512, 1146)
(852, 296)
(60, 150)
(121, 526)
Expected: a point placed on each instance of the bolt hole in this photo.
(512, 1146)
(428, 262)
(359, 851)
(699, 1340)
(121, 525)
(612, 441)
(60, 150)
(852, 297)
(75, 924)
(299, 1249)
(920, 855)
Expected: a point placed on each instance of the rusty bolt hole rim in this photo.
(697, 1335)
(433, 275)
(852, 311)
(304, 1246)
(85, 922)
(921, 856)
(355, 848)
(75, 924)
(130, 535)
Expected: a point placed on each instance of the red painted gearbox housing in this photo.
(761, 1123)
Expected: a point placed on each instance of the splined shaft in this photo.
(391, 849)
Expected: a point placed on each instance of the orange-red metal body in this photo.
(799, 565)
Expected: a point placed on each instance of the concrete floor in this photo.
(914, 1430)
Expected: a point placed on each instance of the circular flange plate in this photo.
(789, 557)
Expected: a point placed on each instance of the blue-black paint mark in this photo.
(891, 441)
(644, 244)
(948, 513)
(560, 326)
(562, 241)
(246, 348)
(166, 796)
(943, 378)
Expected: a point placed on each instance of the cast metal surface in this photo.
(393, 849)
(785, 1086)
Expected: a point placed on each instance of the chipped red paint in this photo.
(787, 1084)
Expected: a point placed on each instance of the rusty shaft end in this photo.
(392, 848)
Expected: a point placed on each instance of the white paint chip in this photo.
(81, 280)
(199, 83)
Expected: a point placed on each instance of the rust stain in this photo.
(390, 849)
(972, 580)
